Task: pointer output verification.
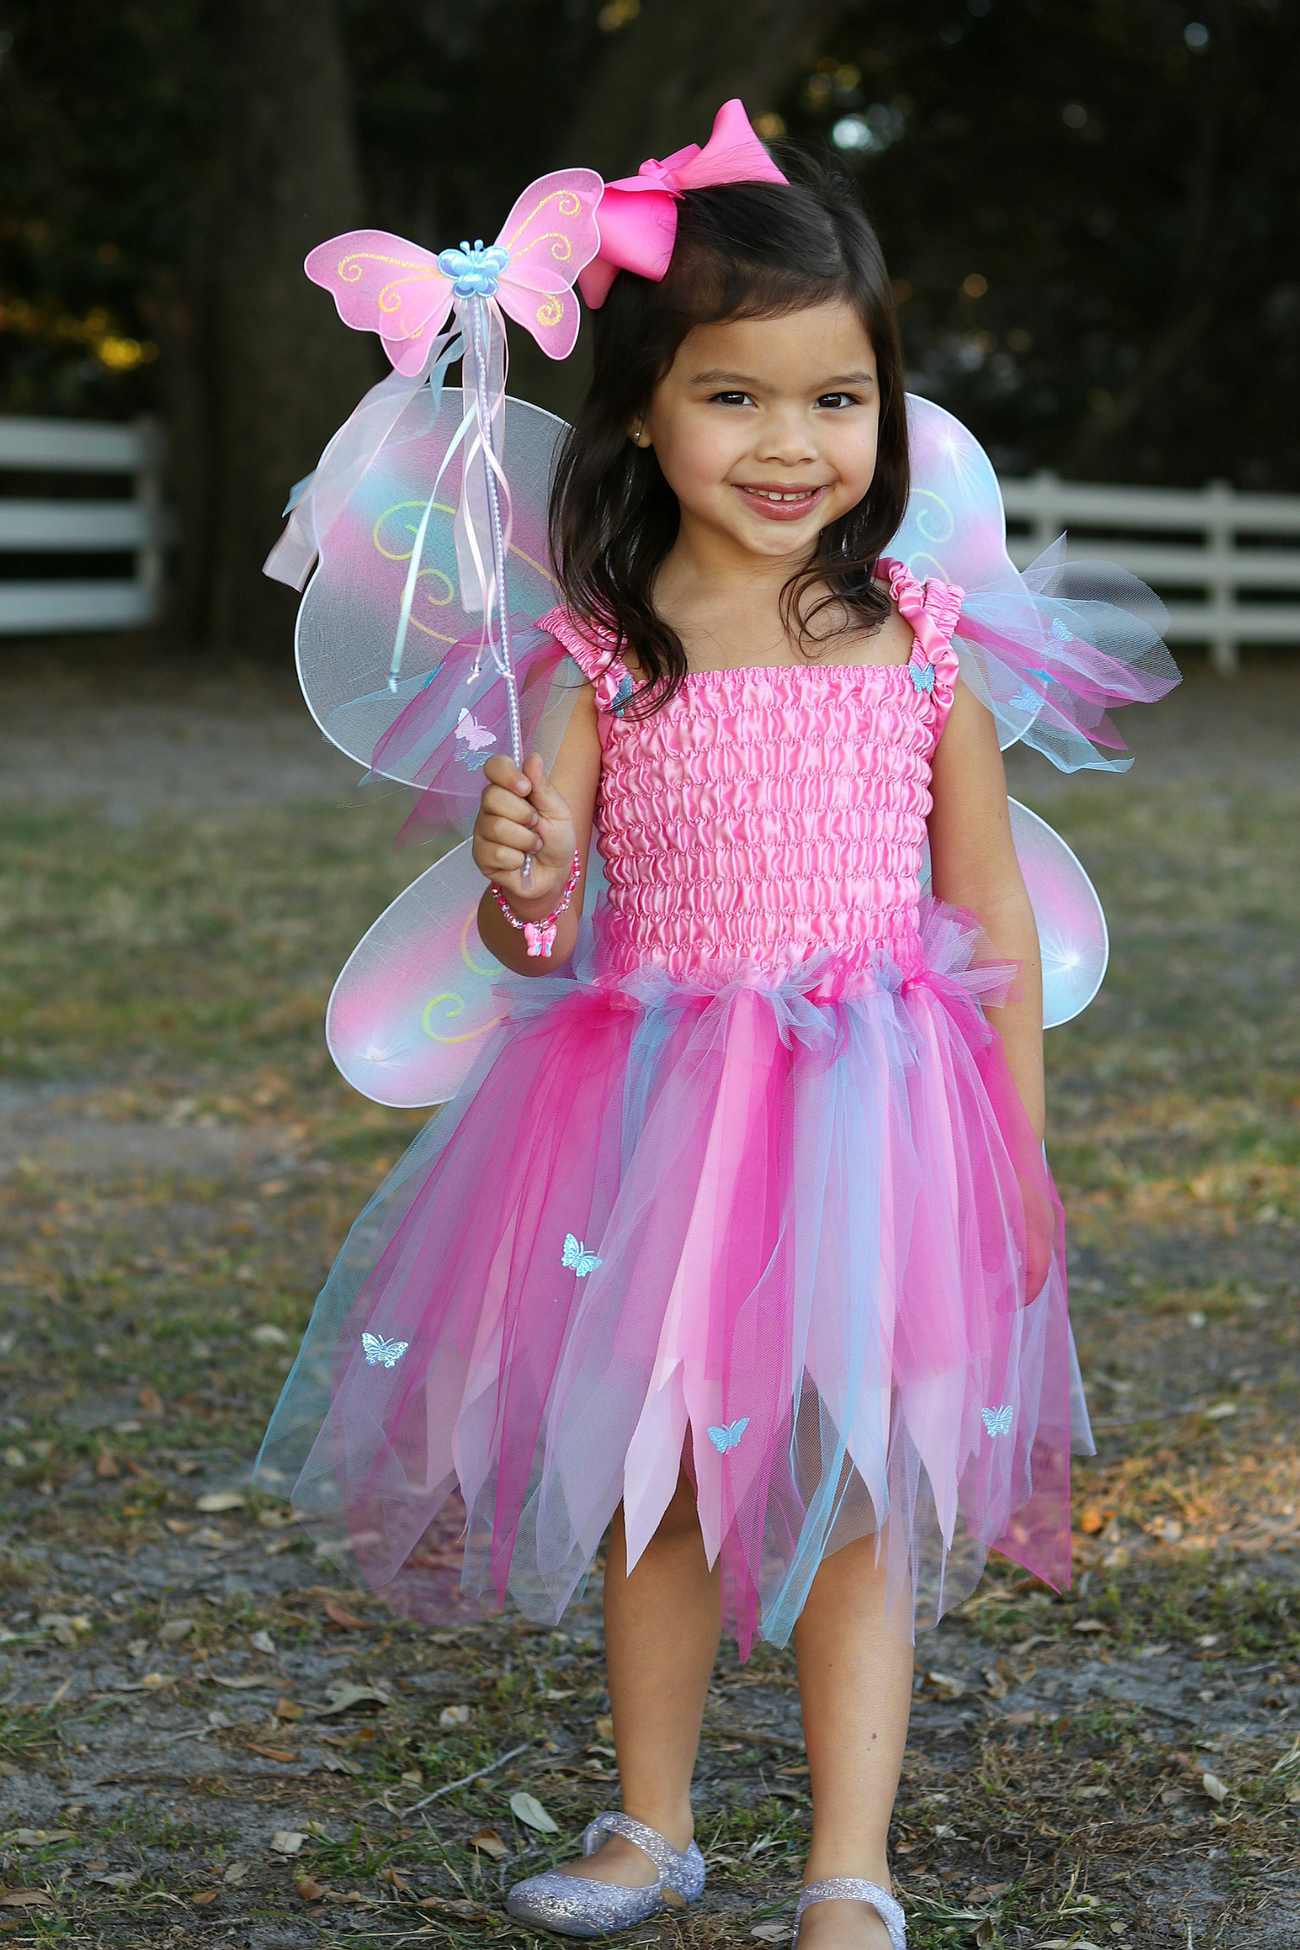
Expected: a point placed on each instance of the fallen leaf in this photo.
(272, 1753)
(394, 1879)
(455, 1716)
(262, 1642)
(214, 1500)
(527, 1808)
(605, 1727)
(1214, 1787)
(340, 1764)
(24, 1898)
(673, 1899)
(174, 1630)
(287, 1841)
(38, 1837)
(204, 1897)
(287, 1709)
(340, 1615)
(471, 1912)
(237, 1872)
(948, 1685)
(106, 1466)
(343, 1694)
(774, 1932)
(243, 1684)
(309, 1889)
(118, 1879)
(488, 1842)
(150, 1401)
(1089, 1625)
(1220, 1411)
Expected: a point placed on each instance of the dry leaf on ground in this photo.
(527, 1808)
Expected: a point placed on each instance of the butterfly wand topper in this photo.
(431, 309)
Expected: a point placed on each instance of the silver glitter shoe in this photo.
(575, 1906)
(847, 1889)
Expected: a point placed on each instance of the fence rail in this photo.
(1235, 553)
(137, 526)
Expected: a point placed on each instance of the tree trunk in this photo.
(285, 370)
(664, 76)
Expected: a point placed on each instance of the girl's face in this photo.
(765, 428)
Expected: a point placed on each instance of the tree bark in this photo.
(665, 74)
(285, 371)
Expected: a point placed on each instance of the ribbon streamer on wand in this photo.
(384, 284)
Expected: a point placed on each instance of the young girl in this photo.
(739, 1247)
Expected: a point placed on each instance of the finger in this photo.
(495, 860)
(501, 770)
(508, 832)
(547, 800)
(501, 803)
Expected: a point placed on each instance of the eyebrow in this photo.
(746, 380)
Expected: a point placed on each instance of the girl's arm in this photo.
(974, 866)
(527, 812)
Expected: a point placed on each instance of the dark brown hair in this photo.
(747, 250)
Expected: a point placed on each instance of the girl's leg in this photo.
(855, 1687)
(662, 1625)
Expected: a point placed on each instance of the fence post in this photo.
(1043, 527)
(150, 557)
(1220, 535)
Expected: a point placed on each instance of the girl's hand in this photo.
(522, 814)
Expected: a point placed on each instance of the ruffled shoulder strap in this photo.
(592, 649)
(932, 609)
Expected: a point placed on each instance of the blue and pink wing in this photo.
(1049, 651)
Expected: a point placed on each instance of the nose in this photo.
(786, 437)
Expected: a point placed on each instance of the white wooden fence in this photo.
(1236, 555)
(136, 526)
(1231, 548)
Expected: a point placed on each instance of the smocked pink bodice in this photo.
(763, 816)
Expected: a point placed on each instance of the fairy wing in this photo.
(551, 235)
(1073, 942)
(381, 283)
(1072, 937)
(348, 616)
(414, 1005)
(1048, 651)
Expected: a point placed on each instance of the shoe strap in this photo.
(668, 1860)
(848, 1889)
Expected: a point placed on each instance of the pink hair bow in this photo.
(638, 214)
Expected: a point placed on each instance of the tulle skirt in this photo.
(795, 1234)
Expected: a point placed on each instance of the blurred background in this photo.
(1091, 211)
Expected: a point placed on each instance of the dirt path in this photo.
(180, 1757)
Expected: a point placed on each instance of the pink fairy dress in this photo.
(751, 1192)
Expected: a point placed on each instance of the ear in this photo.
(638, 436)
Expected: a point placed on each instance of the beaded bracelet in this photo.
(539, 935)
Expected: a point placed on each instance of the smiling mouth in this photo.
(781, 503)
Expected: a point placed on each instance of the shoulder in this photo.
(592, 649)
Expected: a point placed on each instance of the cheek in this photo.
(854, 457)
(696, 454)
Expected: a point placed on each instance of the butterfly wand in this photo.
(384, 284)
